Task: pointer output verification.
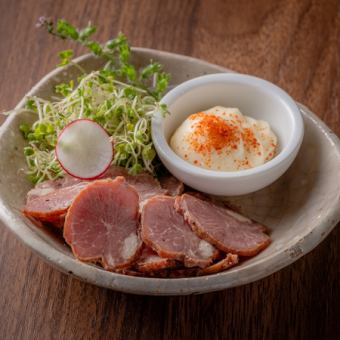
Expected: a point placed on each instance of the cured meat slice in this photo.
(44, 188)
(51, 206)
(172, 185)
(166, 232)
(57, 222)
(226, 230)
(50, 186)
(150, 261)
(177, 272)
(50, 200)
(101, 224)
(229, 261)
(146, 185)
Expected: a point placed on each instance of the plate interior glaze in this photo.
(300, 208)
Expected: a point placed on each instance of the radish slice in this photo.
(84, 149)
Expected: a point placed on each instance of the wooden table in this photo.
(292, 43)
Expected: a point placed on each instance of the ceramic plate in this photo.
(301, 208)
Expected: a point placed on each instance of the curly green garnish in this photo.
(117, 52)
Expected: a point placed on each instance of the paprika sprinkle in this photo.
(224, 139)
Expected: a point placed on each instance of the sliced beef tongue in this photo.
(49, 202)
(171, 184)
(229, 261)
(167, 233)
(145, 184)
(150, 261)
(102, 224)
(226, 230)
(50, 186)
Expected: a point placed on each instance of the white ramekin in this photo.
(254, 97)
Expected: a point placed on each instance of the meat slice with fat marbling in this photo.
(166, 232)
(146, 185)
(229, 261)
(171, 184)
(225, 229)
(49, 201)
(150, 261)
(102, 224)
(49, 186)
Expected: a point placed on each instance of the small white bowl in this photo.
(254, 97)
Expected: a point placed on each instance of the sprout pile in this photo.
(119, 97)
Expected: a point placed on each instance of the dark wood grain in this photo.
(294, 43)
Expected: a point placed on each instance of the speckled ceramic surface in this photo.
(301, 207)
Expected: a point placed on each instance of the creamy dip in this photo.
(224, 139)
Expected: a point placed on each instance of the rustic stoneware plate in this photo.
(301, 207)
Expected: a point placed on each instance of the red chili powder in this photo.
(249, 139)
(219, 134)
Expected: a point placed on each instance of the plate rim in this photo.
(160, 286)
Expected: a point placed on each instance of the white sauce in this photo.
(224, 139)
